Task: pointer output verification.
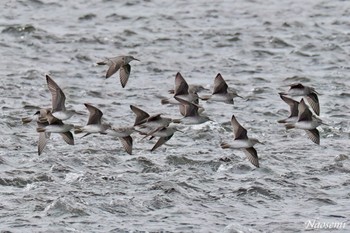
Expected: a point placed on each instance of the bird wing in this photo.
(124, 74)
(114, 65)
(68, 137)
(153, 131)
(293, 104)
(43, 138)
(238, 131)
(312, 99)
(314, 135)
(191, 109)
(296, 86)
(304, 112)
(95, 114)
(161, 141)
(181, 86)
(220, 86)
(57, 96)
(153, 118)
(127, 144)
(141, 115)
(53, 120)
(182, 109)
(252, 155)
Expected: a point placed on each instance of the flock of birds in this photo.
(303, 113)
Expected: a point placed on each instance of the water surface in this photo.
(185, 185)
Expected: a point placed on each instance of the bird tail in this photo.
(78, 129)
(281, 121)
(289, 126)
(165, 101)
(40, 129)
(225, 145)
(26, 120)
(101, 63)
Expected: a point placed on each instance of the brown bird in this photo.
(221, 92)
(94, 124)
(120, 63)
(241, 141)
(310, 94)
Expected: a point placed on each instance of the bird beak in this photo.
(136, 59)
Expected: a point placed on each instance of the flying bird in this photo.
(241, 141)
(58, 100)
(307, 122)
(94, 124)
(120, 63)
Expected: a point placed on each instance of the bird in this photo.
(52, 125)
(182, 90)
(120, 63)
(43, 136)
(146, 123)
(58, 101)
(39, 115)
(220, 92)
(191, 113)
(192, 88)
(307, 122)
(241, 141)
(164, 133)
(94, 124)
(310, 94)
(124, 135)
(293, 104)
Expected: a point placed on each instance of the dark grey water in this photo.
(94, 186)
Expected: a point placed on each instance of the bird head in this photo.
(255, 141)
(128, 59)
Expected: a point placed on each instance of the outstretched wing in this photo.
(141, 115)
(181, 86)
(43, 138)
(124, 74)
(161, 141)
(95, 114)
(252, 155)
(304, 112)
(314, 135)
(68, 137)
(127, 144)
(114, 66)
(220, 85)
(238, 131)
(293, 105)
(57, 96)
(312, 99)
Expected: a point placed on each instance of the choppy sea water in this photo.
(184, 186)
